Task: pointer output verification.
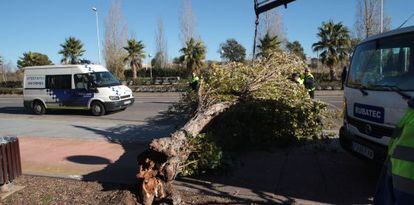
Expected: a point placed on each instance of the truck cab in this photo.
(380, 80)
(81, 87)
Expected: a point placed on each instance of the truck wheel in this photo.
(38, 108)
(97, 109)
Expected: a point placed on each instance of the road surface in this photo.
(141, 122)
(333, 98)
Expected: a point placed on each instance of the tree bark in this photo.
(332, 73)
(160, 164)
(134, 72)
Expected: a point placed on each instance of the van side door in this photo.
(82, 92)
(58, 90)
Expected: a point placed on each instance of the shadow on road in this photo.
(83, 159)
(13, 110)
(134, 139)
(296, 175)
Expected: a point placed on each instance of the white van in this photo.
(85, 87)
(379, 82)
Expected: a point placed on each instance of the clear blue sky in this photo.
(41, 25)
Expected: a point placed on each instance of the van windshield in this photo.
(104, 79)
(384, 63)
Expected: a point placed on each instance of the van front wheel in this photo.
(38, 108)
(97, 109)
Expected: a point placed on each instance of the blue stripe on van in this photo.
(70, 97)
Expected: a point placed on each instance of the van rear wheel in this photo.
(97, 109)
(38, 108)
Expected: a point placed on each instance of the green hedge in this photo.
(9, 91)
(158, 72)
(11, 84)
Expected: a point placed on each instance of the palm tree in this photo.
(334, 42)
(268, 44)
(193, 55)
(135, 55)
(296, 48)
(33, 59)
(72, 49)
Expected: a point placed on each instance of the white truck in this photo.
(379, 82)
(85, 87)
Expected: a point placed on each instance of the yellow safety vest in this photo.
(401, 154)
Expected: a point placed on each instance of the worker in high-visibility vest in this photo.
(396, 184)
(296, 78)
(194, 81)
(309, 82)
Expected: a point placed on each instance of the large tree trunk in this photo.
(160, 164)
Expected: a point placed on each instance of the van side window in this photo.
(81, 81)
(59, 81)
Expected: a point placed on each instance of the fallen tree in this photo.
(222, 87)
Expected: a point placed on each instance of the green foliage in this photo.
(206, 156)
(260, 124)
(334, 44)
(9, 91)
(71, 50)
(269, 109)
(11, 84)
(135, 55)
(159, 72)
(232, 51)
(267, 45)
(193, 55)
(158, 60)
(296, 48)
(135, 51)
(33, 59)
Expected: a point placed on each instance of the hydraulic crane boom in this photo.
(261, 7)
(266, 5)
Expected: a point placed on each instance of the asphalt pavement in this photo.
(139, 122)
(333, 98)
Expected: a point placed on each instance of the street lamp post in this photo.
(150, 66)
(97, 34)
(382, 16)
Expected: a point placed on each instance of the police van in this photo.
(379, 82)
(84, 87)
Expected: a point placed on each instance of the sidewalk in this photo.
(292, 177)
(298, 175)
(96, 160)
